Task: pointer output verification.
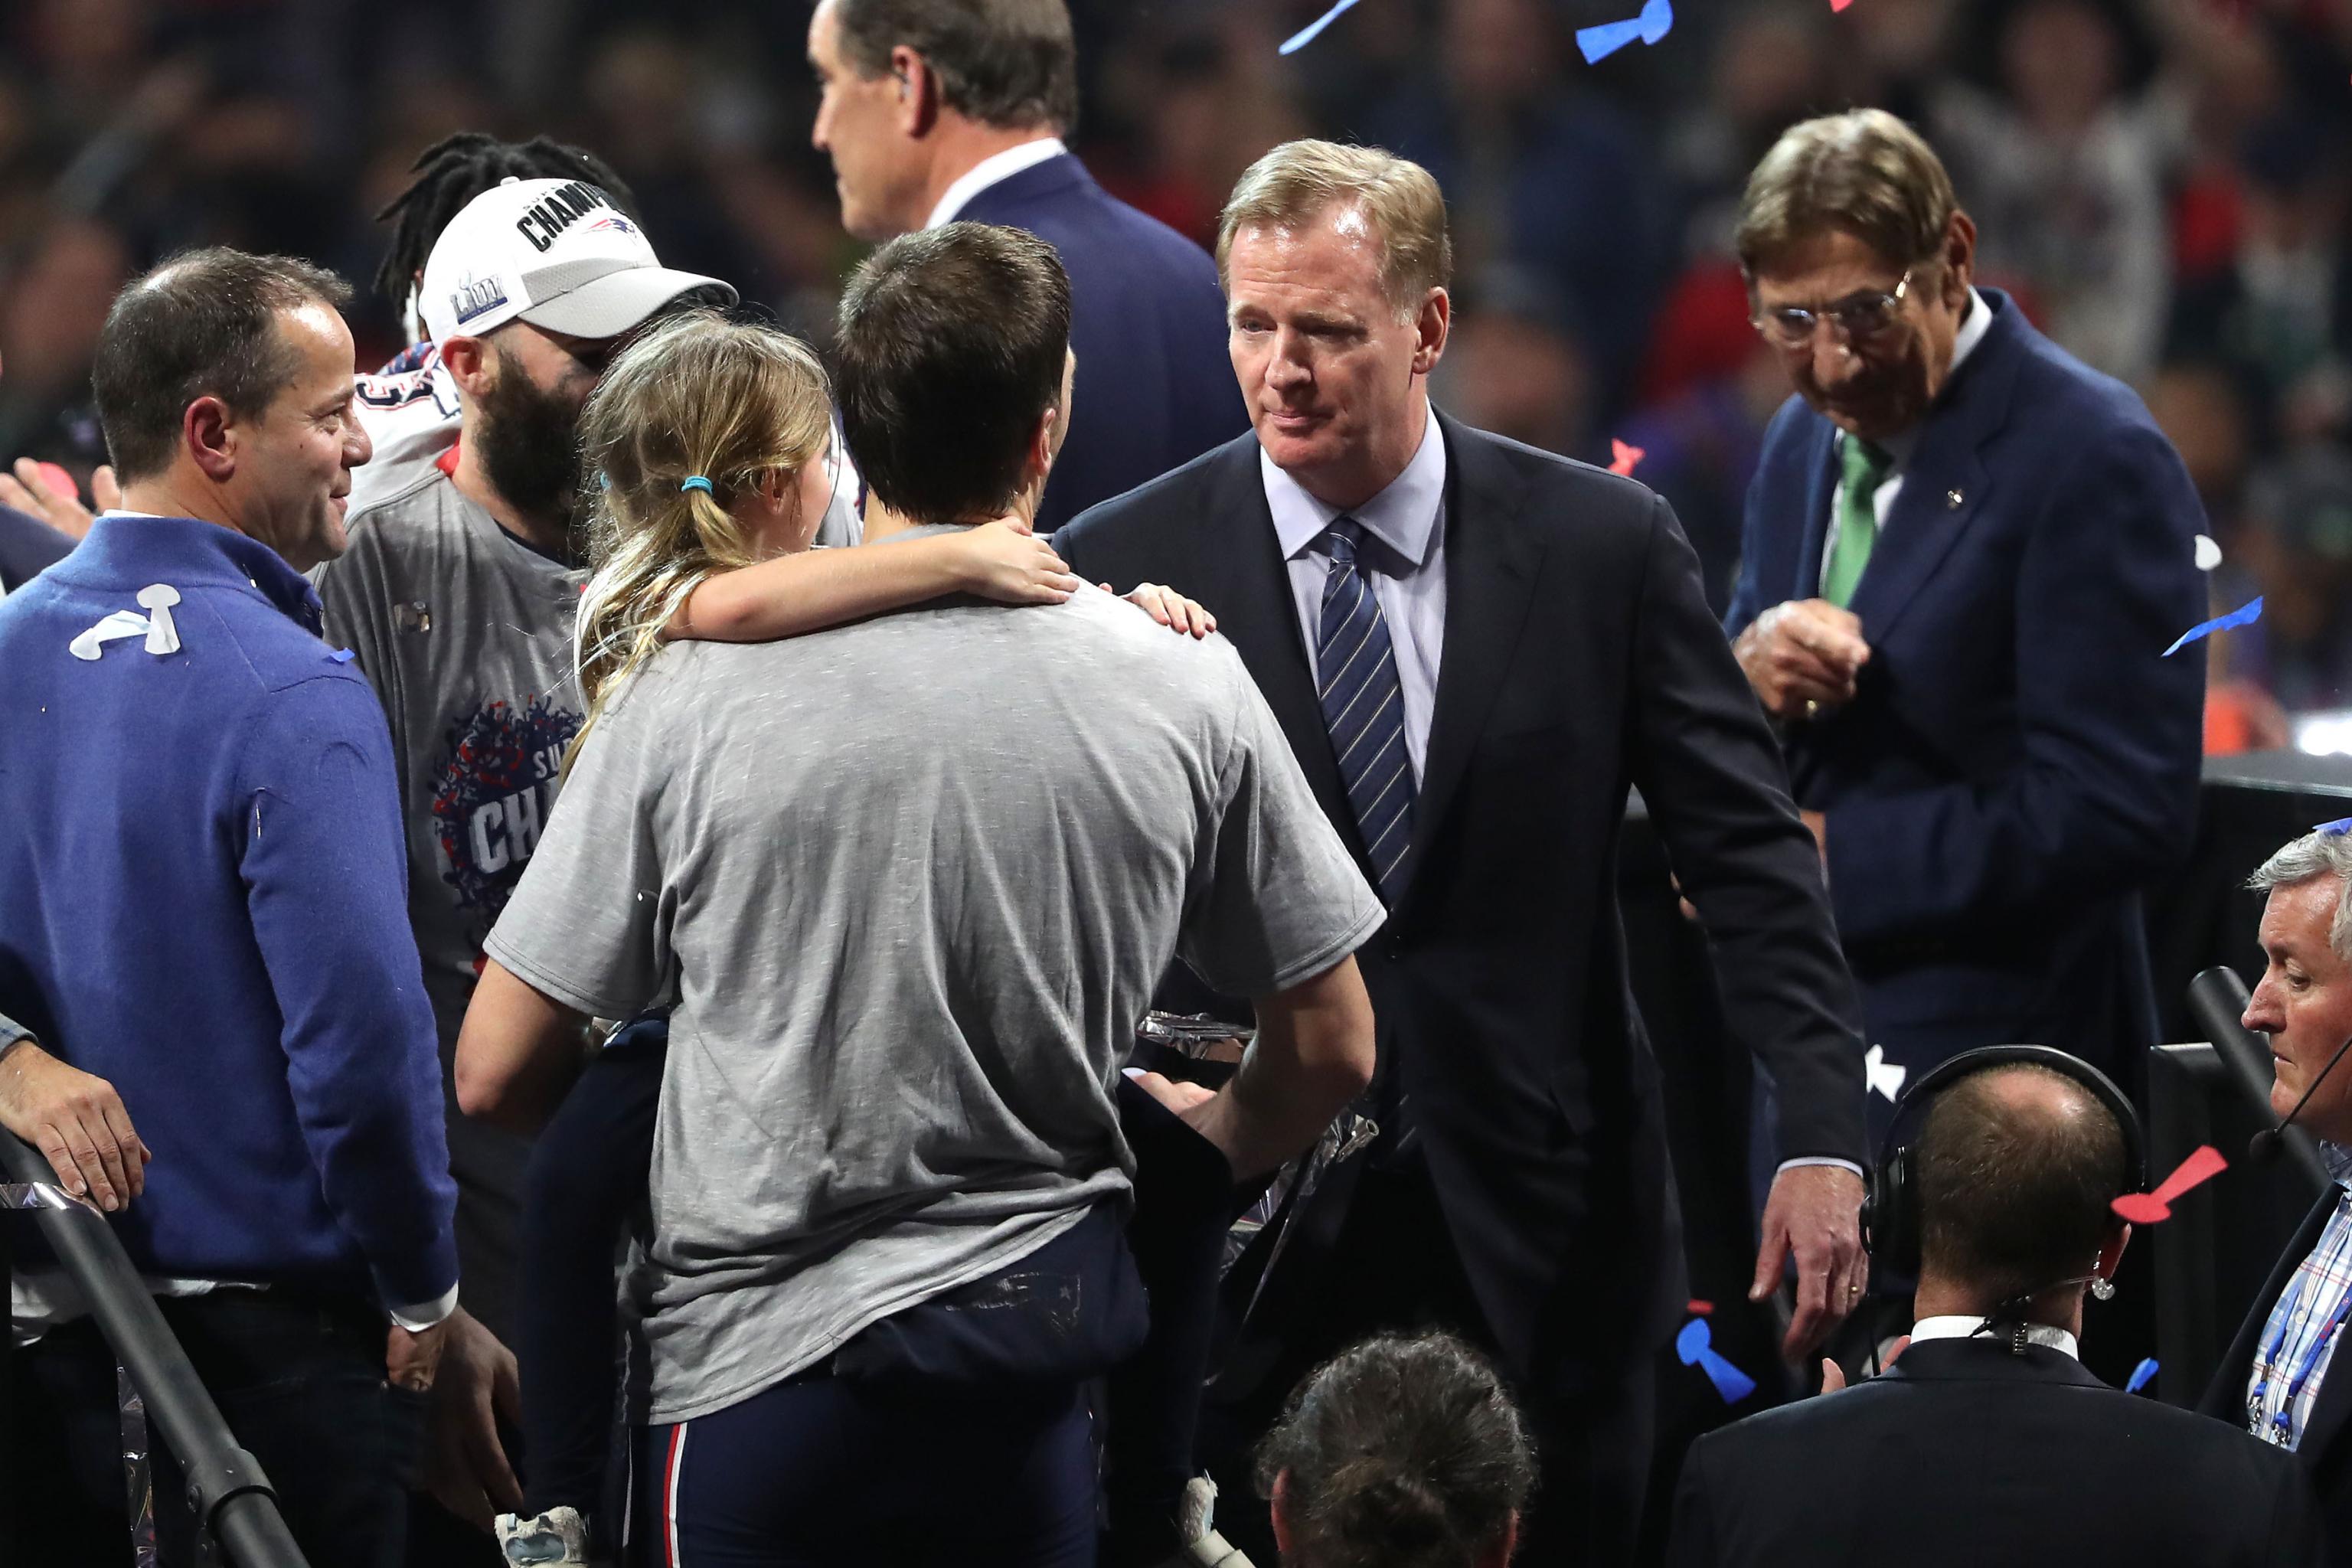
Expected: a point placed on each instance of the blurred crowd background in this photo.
(2162, 184)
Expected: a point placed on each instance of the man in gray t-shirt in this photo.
(909, 885)
(911, 882)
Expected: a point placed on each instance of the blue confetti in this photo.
(2245, 615)
(2335, 829)
(1310, 33)
(343, 656)
(1598, 43)
(1695, 1346)
(2142, 1375)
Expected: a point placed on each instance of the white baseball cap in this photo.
(556, 253)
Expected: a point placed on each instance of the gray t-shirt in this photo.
(464, 631)
(912, 882)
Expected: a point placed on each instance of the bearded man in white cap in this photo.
(458, 596)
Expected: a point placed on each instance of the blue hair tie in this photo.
(696, 482)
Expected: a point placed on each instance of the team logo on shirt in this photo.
(494, 786)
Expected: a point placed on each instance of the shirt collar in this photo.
(1402, 517)
(185, 552)
(2338, 1161)
(989, 171)
(1964, 1327)
(1973, 328)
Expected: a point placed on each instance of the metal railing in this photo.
(231, 1499)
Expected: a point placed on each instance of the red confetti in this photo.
(2148, 1208)
(1621, 457)
(1839, 4)
(1701, 1308)
(58, 480)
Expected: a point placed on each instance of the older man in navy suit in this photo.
(1965, 555)
(939, 110)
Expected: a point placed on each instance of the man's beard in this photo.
(529, 440)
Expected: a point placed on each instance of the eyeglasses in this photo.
(1857, 320)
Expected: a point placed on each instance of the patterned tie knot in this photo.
(1346, 535)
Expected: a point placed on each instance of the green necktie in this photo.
(1867, 469)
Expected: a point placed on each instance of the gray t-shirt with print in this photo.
(912, 882)
(466, 633)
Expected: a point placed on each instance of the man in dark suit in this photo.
(1475, 648)
(1964, 551)
(1987, 1441)
(938, 110)
(2279, 1380)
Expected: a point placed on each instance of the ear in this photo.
(919, 92)
(2111, 1252)
(1042, 448)
(1960, 252)
(1430, 330)
(470, 362)
(1279, 1505)
(1499, 1555)
(208, 434)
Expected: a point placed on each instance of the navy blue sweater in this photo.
(203, 899)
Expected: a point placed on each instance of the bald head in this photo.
(2017, 1166)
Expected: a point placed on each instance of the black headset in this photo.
(1890, 1210)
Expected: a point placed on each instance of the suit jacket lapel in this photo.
(1490, 575)
(1821, 484)
(1245, 570)
(1945, 485)
(2226, 1396)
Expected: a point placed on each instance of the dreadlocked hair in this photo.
(456, 169)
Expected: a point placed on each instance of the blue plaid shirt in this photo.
(2300, 1338)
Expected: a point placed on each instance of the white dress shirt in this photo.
(1966, 1328)
(988, 172)
(1973, 326)
(1403, 559)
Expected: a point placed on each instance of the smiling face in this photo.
(1881, 384)
(2304, 1003)
(1334, 379)
(294, 460)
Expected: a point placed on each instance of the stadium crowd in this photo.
(904, 849)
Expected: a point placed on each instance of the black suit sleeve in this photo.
(1692, 1544)
(1706, 765)
(2295, 1521)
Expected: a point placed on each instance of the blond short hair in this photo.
(1300, 180)
(1863, 172)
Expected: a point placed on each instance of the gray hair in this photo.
(2316, 854)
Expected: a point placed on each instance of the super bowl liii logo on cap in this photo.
(475, 295)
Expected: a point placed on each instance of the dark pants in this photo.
(300, 1380)
(825, 1472)
(1394, 1268)
(587, 1175)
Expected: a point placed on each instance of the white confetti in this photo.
(2209, 554)
(1883, 1076)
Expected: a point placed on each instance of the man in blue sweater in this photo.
(202, 904)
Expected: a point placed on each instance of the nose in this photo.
(1834, 361)
(819, 136)
(359, 447)
(2262, 1015)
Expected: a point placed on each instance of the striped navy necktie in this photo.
(1363, 707)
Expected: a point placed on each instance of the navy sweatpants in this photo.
(825, 1472)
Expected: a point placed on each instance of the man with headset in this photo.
(2278, 1380)
(1987, 1441)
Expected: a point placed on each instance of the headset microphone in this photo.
(2263, 1146)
